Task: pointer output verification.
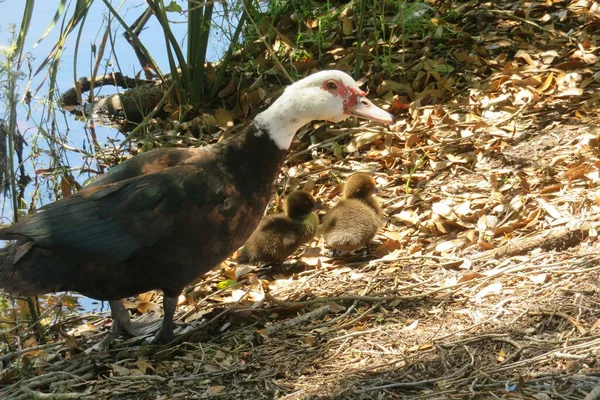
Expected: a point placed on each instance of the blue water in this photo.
(72, 130)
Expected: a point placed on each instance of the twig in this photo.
(315, 314)
(44, 380)
(196, 306)
(473, 339)
(511, 15)
(572, 320)
(138, 378)
(417, 383)
(310, 148)
(352, 307)
(53, 396)
(16, 353)
(360, 317)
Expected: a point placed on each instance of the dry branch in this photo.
(552, 239)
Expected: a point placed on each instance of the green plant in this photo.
(321, 16)
(10, 69)
(395, 20)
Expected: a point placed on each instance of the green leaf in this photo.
(444, 68)
(225, 284)
(173, 7)
(338, 150)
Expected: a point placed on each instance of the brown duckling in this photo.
(354, 221)
(278, 236)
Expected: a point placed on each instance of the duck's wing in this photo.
(146, 163)
(109, 223)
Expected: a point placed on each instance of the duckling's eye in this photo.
(331, 85)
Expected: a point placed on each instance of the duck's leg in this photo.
(165, 334)
(121, 325)
(121, 321)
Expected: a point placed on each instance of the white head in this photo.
(327, 95)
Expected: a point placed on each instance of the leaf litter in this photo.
(483, 283)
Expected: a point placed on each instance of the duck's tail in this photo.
(13, 277)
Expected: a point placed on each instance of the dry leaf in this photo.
(309, 341)
(569, 92)
(470, 276)
(224, 118)
(448, 245)
(549, 208)
(362, 139)
(311, 256)
(412, 326)
(539, 278)
(409, 217)
(145, 306)
(347, 26)
(442, 209)
(494, 288)
(85, 329)
(227, 90)
(279, 284)
(119, 370)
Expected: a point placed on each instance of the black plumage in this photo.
(164, 218)
(279, 236)
(119, 238)
(353, 222)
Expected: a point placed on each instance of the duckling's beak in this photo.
(360, 106)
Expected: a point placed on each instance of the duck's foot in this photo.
(121, 326)
(368, 250)
(332, 253)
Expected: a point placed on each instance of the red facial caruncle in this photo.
(356, 102)
(348, 94)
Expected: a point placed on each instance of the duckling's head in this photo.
(299, 204)
(359, 186)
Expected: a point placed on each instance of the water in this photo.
(122, 56)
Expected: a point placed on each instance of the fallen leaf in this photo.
(569, 92)
(362, 139)
(494, 288)
(85, 329)
(145, 306)
(470, 276)
(225, 284)
(119, 370)
(309, 341)
(347, 26)
(311, 256)
(224, 118)
(412, 326)
(539, 278)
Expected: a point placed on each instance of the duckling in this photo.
(277, 237)
(354, 221)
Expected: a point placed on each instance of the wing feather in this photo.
(110, 221)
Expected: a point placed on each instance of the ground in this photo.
(482, 284)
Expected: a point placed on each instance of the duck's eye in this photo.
(331, 85)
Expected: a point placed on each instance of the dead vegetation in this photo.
(483, 283)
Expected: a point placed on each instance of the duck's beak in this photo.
(364, 108)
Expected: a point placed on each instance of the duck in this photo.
(279, 236)
(164, 218)
(353, 222)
